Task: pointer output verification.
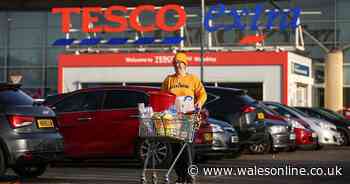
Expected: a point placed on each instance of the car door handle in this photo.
(134, 116)
(84, 119)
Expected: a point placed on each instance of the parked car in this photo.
(327, 133)
(102, 122)
(255, 132)
(342, 124)
(305, 137)
(28, 133)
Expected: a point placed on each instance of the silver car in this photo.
(326, 132)
(224, 141)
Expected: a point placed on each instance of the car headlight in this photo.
(216, 128)
(278, 129)
(325, 125)
(348, 127)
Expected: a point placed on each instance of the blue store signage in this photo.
(220, 10)
(301, 69)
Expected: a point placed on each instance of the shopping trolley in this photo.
(179, 129)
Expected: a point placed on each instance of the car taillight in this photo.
(204, 114)
(17, 121)
(204, 134)
(248, 109)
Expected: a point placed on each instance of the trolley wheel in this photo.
(154, 179)
(163, 153)
(166, 180)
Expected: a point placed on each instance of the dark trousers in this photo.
(183, 162)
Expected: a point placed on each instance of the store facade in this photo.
(26, 46)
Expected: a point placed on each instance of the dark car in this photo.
(28, 133)
(246, 115)
(102, 122)
(342, 124)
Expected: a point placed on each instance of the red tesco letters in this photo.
(122, 21)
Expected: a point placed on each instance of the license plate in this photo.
(234, 139)
(45, 123)
(261, 116)
(292, 136)
(208, 136)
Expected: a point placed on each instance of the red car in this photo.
(102, 122)
(305, 137)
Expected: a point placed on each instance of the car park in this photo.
(327, 133)
(28, 133)
(102, 122)
(255, 132)
(342, 124)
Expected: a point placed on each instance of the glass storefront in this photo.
(26, 38)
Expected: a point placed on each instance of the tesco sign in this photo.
(214, 12)
(123, 22)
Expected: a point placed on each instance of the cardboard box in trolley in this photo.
(184, 104)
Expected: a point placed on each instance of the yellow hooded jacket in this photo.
(188, 85)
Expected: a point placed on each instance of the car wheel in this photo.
(318, 146)
(161, 152)
(2, 163)
(261, 148)
(30, 171)
(345, 139)
(291, 148)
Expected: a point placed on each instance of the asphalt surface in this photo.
(128, 171)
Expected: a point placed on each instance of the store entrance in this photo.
(301, 96)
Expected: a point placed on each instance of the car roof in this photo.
(145, 89)
(225, 91)
(107, 88)
(5, 85)
(271, 102)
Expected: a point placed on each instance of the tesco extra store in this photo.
(267, 72)
(286, 66)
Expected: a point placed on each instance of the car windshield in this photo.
(15, 97)
(299, 111)
(330, 114)
(268, 110)
(248, 99)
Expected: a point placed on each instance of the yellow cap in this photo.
(181, 57)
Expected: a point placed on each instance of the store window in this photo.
(27, 19)
(51, 80)
(346, 97)
(346, 73)
(31, 78)
(25, 57)
(25, 38)
(192, 28)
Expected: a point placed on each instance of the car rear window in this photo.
(15, 97)
(247, 99)
(229, 103)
